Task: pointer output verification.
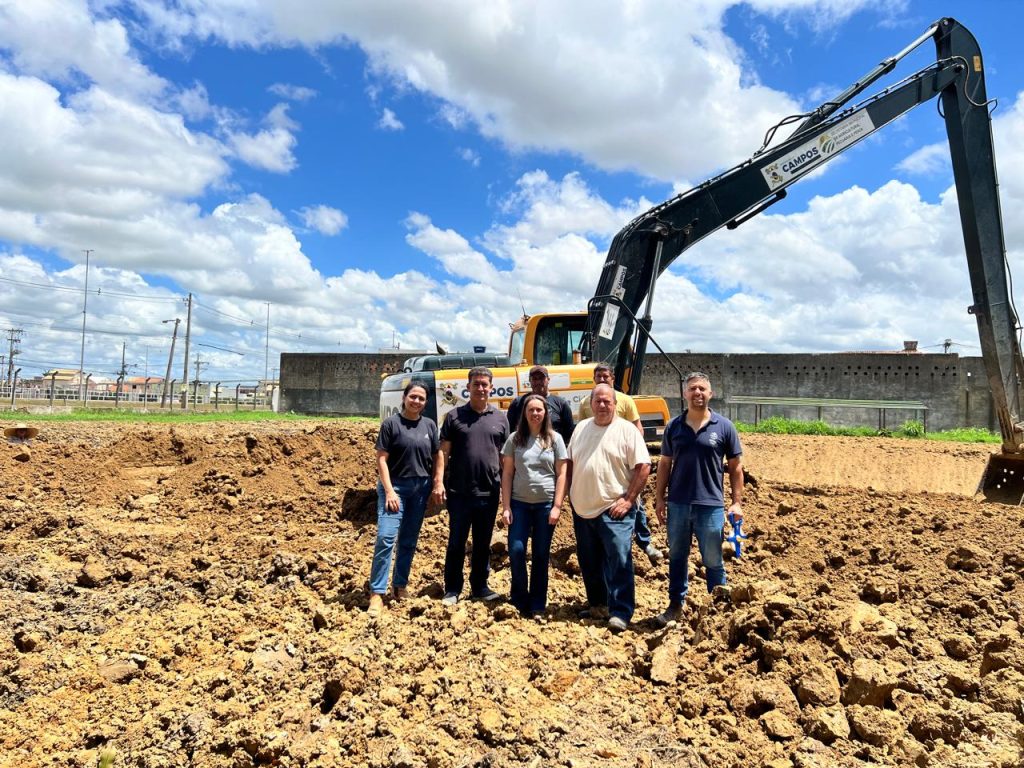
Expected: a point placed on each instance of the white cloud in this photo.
(927, 161)
(271, 148)
(471, 156)
(96, 158)
(389, 121)
(543, 76)
(292, 92)
(60, 39)
(324, 219)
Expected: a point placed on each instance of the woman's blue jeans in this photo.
(529, 521)
(684, 522)
(398, 530)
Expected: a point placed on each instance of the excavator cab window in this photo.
(516, 345)
(556, 338)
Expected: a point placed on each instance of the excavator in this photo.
(611, 330)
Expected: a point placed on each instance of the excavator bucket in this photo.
(1003, 480)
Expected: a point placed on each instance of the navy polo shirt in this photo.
(697, 459)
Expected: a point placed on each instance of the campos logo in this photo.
(495, 392)
(827, 144)
(796, 163)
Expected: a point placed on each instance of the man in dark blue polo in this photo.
(471, 439)
(689, 485)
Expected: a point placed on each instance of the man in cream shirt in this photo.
(608, 467)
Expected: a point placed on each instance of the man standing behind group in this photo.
(690, 470)
(608, 466)
(558, 407)
(471, 439)
(626, 409)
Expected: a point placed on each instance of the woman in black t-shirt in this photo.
(408, 456)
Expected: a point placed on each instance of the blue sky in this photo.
(403, 172)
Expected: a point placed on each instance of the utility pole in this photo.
(121, 375)
(14, 337)
(188, 339)
(85, 305)
(195, 389)
(266, 358)
(170, 359)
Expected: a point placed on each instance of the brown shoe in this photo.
(401, 593)
(376, 605)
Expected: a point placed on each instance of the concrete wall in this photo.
(940, 381)
(954, 388)
(335, 384)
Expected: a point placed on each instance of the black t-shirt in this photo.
(410, 445)
(474, 467)
(558, 407)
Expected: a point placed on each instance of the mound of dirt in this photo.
(196, 596)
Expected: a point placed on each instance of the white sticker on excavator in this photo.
(813, 153)
(611, 311)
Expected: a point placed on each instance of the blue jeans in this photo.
(465, 513)
(684, 522)
(402, 527)
(642, 531)
(529, 521)
(604, 548)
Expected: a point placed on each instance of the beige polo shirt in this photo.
(603, 459)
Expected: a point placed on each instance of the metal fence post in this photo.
(14, 387)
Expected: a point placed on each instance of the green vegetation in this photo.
(776, 425)
(966, 435)
(157, 416)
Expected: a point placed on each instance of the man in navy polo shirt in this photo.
(689, 484)
(471, 439)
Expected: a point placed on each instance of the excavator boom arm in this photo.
(651, 242)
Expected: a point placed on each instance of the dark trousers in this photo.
(604, 548)
(465, 514)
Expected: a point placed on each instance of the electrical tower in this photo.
(14, 339)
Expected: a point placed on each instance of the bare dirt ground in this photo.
(195, 596)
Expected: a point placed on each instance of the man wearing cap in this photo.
(625, 408)
(558, 407)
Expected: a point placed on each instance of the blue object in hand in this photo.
(737, 535)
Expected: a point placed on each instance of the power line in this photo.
(251, 323)
(96, 292)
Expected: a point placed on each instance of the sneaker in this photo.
(401, 593)
(615, 624)
(450, 598)
(671, 615)
(594, 612)
(654, 554)
(376, 605)
(486, 594)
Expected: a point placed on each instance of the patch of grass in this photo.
(913, 429)
(966, 435)
(164, 417)
(777, 425)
